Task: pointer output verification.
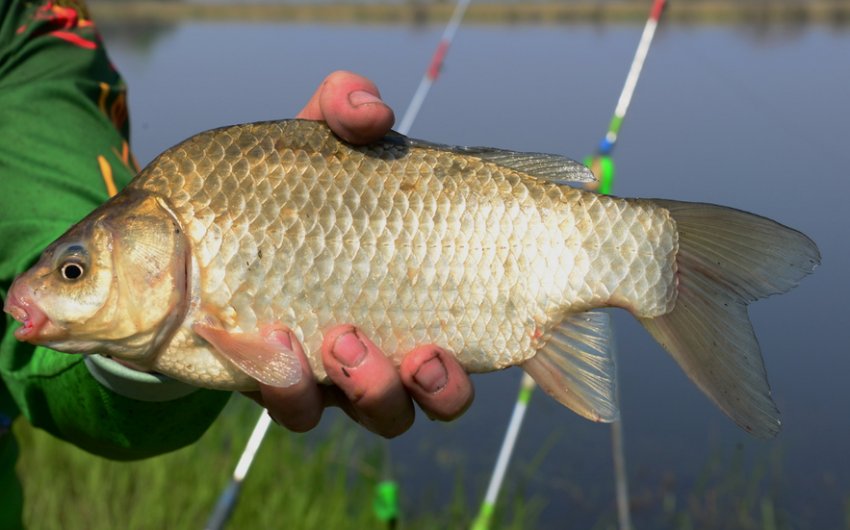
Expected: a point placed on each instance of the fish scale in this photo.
(400, 241)
(241, 232)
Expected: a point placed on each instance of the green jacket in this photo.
(63, 148)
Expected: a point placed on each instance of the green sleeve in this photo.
(11, 500)
(63, 144)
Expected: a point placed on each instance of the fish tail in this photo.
(726, 259)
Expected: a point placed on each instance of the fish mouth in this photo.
(19, 305)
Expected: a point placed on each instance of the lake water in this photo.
(754, 120)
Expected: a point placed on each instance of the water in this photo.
(727, 115)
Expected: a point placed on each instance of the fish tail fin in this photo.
(726, 259)
(576, 366)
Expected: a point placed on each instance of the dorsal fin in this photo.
(554, 168)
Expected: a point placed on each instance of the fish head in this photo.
(115, 283)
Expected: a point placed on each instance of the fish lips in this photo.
(19, 305)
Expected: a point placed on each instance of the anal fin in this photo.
(261, 355)
(577, 366)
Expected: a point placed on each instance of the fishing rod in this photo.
(386, 500)
(227, 500)
(488, 506)
(601, 163)
(434, 68)
(386, 503)
(603, 167)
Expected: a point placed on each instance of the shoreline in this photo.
(697, 12)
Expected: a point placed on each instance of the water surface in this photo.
(750, 120)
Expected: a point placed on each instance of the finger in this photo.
(373, 391)
(437, 382)
(352, 107)
(297, 407)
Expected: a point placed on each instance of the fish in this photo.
(241, 233)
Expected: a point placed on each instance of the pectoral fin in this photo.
(262, 356)
(577, 368)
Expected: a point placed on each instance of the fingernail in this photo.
(361, 97)
(349, 350)
(432, 376)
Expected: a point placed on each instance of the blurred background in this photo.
(740, 103)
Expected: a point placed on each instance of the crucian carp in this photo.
(243, 231)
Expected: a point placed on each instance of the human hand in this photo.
(368, 387)
(366, 384)
(351, 106)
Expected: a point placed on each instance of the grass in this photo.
(67, 488)
(732, 491)
(297, 481)
(326, 481)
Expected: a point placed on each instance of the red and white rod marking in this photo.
(434, 69)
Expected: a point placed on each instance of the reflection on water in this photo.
(745, 118)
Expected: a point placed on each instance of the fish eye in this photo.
(72, 271)
(71, 261)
